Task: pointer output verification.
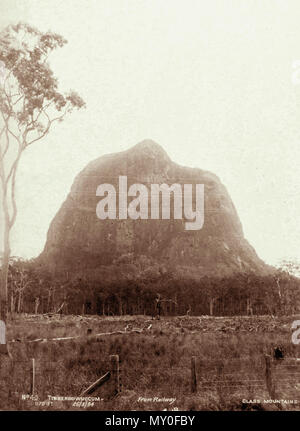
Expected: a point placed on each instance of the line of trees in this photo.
(33, 289)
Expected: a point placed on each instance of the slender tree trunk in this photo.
(9, 221)
(49, 298)
(12, 303)
(19, 301)
(249, 307)
(36, 307)
(3, 287)
(211, 307)
(4, 273)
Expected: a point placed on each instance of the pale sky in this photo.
(211, 81)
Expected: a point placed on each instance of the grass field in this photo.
(155, 362)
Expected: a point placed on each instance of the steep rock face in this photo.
(77, 239)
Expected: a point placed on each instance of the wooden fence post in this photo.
(115, 372)
(32, 388)
(120, 376)
(269, 377)
(193, 375)
(270, 380)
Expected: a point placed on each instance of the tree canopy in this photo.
(30, 103)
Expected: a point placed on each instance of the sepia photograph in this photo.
(150, 207)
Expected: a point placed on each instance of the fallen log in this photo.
(84, 337)
(91, 389)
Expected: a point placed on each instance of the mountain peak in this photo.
(78, 240)
(149, 148)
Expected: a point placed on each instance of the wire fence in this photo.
(263, 377)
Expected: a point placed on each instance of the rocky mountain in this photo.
(78, 240)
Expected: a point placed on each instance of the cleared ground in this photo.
(155, 362)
